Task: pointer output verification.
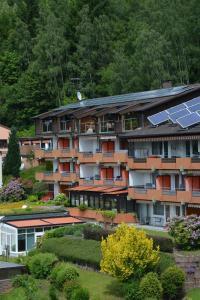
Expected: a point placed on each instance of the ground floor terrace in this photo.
(151, 212)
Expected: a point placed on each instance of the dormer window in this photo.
(47, 125)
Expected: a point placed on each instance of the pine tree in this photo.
(13, 160)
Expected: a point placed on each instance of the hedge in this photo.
(165, 243)
(83, 252)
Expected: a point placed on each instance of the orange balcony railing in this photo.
(176, 163)
(103, 157)
(112, 182)
(56, 176)
(55, 153)
(176, 196)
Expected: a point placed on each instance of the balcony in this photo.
(56, 176)
(118, 181)
(103, 157)
(155, 162)
(164, 195)
(55, 153)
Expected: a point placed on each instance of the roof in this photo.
(122, 100)
(7, 265)
(161, 130)
(100, 189)
(40, 215)
(44, 222)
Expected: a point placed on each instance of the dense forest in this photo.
(112, 46)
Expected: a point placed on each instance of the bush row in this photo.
(83, 252)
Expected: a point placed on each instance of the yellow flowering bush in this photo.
(128, 253)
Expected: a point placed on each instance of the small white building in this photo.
(19, 233)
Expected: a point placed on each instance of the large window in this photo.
(65, 124)
(158, 209)
(130, 122)
(107, 123)
(47, 125)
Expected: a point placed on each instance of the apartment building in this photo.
(4, 136)
(138, 152)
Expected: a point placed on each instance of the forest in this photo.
(51, 48)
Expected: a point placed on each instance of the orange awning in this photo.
(118, 192)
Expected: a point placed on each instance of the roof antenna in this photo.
(79, 96)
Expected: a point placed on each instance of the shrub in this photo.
(40, 188)
(173, 281)
(165, 243)
(94, 232)
(66, 203)
(108, 214)
(69, 288)
(150, 286)
(83, 252)
(186, 232)
(52, 293)
(166, 260)
(83, 207)
(28, 283)
(60, 198)
(12, 192)
(80, 294)
(132, 291)
(127, 253)
(62, 273)
(32, 198)
(40, 265)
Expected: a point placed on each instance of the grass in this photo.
(157, 233)
(190, 253)
(194, 294)
(83, 252)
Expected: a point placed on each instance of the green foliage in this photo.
(185, 231)
(83, 207)
(132, 290)
(60, 197)
(40, 265)
(30, 132)
(150, 286)
(52, 293)
(28, 283)
(12, 161)
(173, 280)
(32, 198)
(40, 188)
(69, 288)
(61, 274)
(165, 243)
(80, 293)
(108, 214)
(166, 260)
(95, 232)
(83, 252)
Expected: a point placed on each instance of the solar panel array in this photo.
(185, 114)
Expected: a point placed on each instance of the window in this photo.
(21, 242)
(30, 241)
(47, 126)
(195, 147)
(73, 201)
(65, 124)
(178, 211)
(158, 209)
(157, 148)
(130, 122)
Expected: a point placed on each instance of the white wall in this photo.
(139, 178)
(87, 144)
(87, 171)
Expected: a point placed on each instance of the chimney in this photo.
(167, 84)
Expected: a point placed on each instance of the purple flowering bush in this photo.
(186, 232)
(12, 192)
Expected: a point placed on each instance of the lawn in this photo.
(100, 286)
(194, 294)
(157, 233)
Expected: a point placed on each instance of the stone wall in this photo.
(5, 285)
(190, 264)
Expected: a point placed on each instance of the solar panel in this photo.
(194, 108)
(193, 101)
(181, 113)
(176, 108)
(189, 120)
(158, 118)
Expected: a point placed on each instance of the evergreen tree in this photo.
(12, 161)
